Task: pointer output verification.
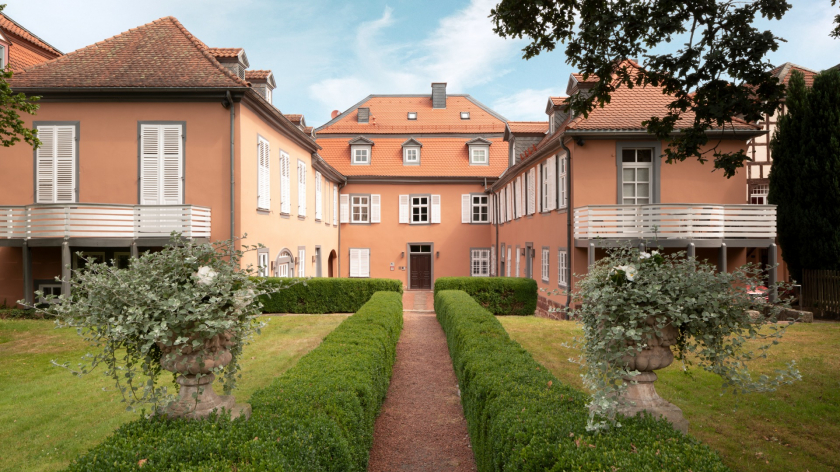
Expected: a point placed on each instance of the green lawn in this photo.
(796, 428)
(48, 417)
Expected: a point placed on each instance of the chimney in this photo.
(438, 94)
(334, 114)
(364, 115)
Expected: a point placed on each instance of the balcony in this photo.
(677, 224)
(95, 221)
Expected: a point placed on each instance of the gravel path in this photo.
(421, 426)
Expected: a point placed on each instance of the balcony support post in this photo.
(134, 253)
(590, 252)
(642, 246)
(722, 258)
(690, 250)
(28, 290)
(65, 268)
(773, 262)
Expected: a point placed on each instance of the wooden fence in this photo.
(821, 291)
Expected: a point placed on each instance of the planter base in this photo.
(642, 396)
(197, 400)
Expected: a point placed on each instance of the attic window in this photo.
(412, 115)
(465, 115)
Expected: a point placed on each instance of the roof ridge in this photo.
(49, 46)
(205, 50)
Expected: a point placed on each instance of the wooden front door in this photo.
(421, 272)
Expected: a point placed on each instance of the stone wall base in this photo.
(544, 304)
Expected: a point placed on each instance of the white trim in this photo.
(545, 262)
(479, 155)
(562, 267)
(359, 262)
(263, 174)
(480, 262)
(362, 203)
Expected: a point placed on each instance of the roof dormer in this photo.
(234, 60)
(411, 152)
(262, 81)
(479, 151)
(360, 151)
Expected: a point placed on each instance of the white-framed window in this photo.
(262, 264)
(636, 172)
(2, 56)
(562, 268)
(759, 193)
(478, 155)
(285, 184)
(480, 209)
(319, 203)
(268, 94)
(360, 209)
(47, 289)
(284, 266)
(55, 165)
(359, 262)
(480, 262)
(562, 195)
(544, 264)
(507, 262)
(301, 188)
(263, 174)
(361, 155)
(412, 115)
(301, 262)
(420, 209)
(411, 155)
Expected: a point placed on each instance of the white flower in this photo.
(629, 272)
(243, 298)
(643, 255)
(654, 253)
(205, 275)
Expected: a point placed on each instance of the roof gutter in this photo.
(619, 134)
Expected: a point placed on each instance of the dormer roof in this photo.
(361, 140)
(412, 142)
(478, 142)
(261, 76)
(555, 103)
(26, 48)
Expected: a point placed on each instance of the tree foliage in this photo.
(805, 178)
(719, 73)
(12, 127)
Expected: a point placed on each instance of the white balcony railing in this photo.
(95, 220)
(675, 221)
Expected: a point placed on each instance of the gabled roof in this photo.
(388, 115)
(26, 49)
(528, 127)
(261, 76)
(412, 142)
(783, 73)
(361, 140)
(160, 54)
(479, 141)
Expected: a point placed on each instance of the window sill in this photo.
(301, 217)
(263, 211)
(285, 215)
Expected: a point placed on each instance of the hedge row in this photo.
(499, 295)
(20, 314)
(521, 417)
(325, 295)
(318, 416)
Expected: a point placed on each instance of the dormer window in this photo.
(268, 95)
(551, 123)
(361, 155)
(412, 115)
(465, 115)
(2, 56)
(411, 152)
(479, 150)
(360, 151)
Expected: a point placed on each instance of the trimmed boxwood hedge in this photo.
(318, 416)
(500, 295)
(325, 295)
(521, 417)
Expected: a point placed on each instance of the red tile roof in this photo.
(294, 118)
(783, 73)
(26, 49)
(557, 101)
(439, 157)
(225, 52)
(257, 75)
(388, 114)
(525, 127)
(159, 54)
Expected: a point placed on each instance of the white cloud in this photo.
(462, 51)
(526, 105)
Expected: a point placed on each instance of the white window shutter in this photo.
(522, 195)
(301, 188)
(492, 207)
(285, 184)
(65, 164)
(404, 209)
(532, 194)
(364, 266)
(435, 208)
(335, 204)
(375, 208)
(355, 262)
(551, 198)
(538, 190)
(493, 260)
(172, 172)
(509, 201)
(263, 175)
(45, 165)
(465, 208)
(318, 202)
(345, 208)
(149, 165)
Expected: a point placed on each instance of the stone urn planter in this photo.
(640, 394)
(197, 398)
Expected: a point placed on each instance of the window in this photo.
(122, 259)
(478, 155)
(263, 175)
(465, 115)
(518, 257)
(268, 94)
(2, 56)
(359, 262)
(561, 182)
(319, 204)
(480, 262)
(55, 163)
(361, 155)
(262, 263)
(301, 262)
(636, 170)
(480, 211)
(412, 115)
(507, 262)
(419, 209)
(411, 155)
(360, 209)
(161, 164)
(545, 264)
(301, 188)
(285, 184)
(758, 194)
(562, 268)
(284, 264)
(48, 289)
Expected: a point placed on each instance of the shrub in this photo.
(20, 314)
(521, 417)
(500, 295)
(324, 295)
(318, 416)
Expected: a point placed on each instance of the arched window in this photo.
(284, 266)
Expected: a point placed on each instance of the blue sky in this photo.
(328, 55)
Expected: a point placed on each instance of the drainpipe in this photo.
(569, 247)
(340, 186)
(229, 99)
(496, 216)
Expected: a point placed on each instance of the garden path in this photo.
(421, 426)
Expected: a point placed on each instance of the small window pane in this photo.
(629, 174)
(628, 155)
(643, 174)
(644, 155)
(643, 190)
(629, 190)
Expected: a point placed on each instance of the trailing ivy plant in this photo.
(630, 295)
(181, 296)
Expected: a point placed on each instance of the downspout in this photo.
(340, 186)
(496, 216)
(229, 99)
(569, 247)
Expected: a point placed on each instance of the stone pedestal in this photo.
(197, 400)
(641, 396)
